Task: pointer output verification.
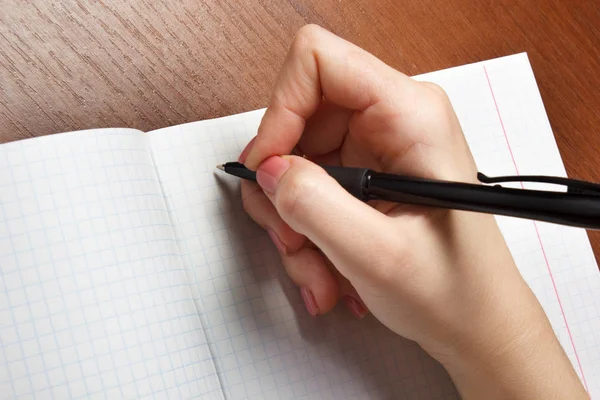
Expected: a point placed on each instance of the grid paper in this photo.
(94, 297)
(264, 343)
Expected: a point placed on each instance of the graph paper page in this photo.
(264, 343)
(94, 298)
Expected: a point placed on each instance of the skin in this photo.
(444, 279)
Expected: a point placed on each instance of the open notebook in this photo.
(129, 269)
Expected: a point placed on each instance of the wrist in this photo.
(511, 352)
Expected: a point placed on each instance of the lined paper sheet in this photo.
(94, 298)
(264, 343)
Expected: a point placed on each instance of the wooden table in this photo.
(147, 64)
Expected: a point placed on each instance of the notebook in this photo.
(129, 269)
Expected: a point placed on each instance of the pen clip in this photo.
(574, 186)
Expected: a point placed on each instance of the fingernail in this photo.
(309, 301)
(270, 171)
(277, 241)
(244, 153)
(356, 307)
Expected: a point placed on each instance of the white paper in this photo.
(265, 344)
(94, 297)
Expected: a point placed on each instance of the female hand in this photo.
(444, 279)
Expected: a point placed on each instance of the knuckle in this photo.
(431, 89)
(305, 38)
(308, 32)
(435, 88)
(439, 108)
(440, 97)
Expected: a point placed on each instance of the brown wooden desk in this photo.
(148, 64)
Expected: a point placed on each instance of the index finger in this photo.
(320, 64)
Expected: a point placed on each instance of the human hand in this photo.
(442, 278)
(373, 117)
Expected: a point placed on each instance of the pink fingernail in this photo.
(356, 307)
(309, 301)
(277, 241)
(244, 153)
(270, 171)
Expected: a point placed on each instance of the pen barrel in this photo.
(555, 207)
(354, 180)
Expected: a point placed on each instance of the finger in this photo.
(350, 154)
(342, 226)
(332, 158)
(320, 64)
(355, 305)
(305, 265)
(350, 296)
(309, 270)
(262, 211)
(325, 130)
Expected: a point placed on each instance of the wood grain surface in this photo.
(75, 64)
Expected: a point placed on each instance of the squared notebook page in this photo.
(94, 298)
(264, 343)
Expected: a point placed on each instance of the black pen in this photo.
(579, 206)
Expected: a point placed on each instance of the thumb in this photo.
(348, 231)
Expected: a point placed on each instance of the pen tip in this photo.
(220, 166)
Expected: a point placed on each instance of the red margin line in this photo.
(538, 234)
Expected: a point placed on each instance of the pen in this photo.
(579, 206)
